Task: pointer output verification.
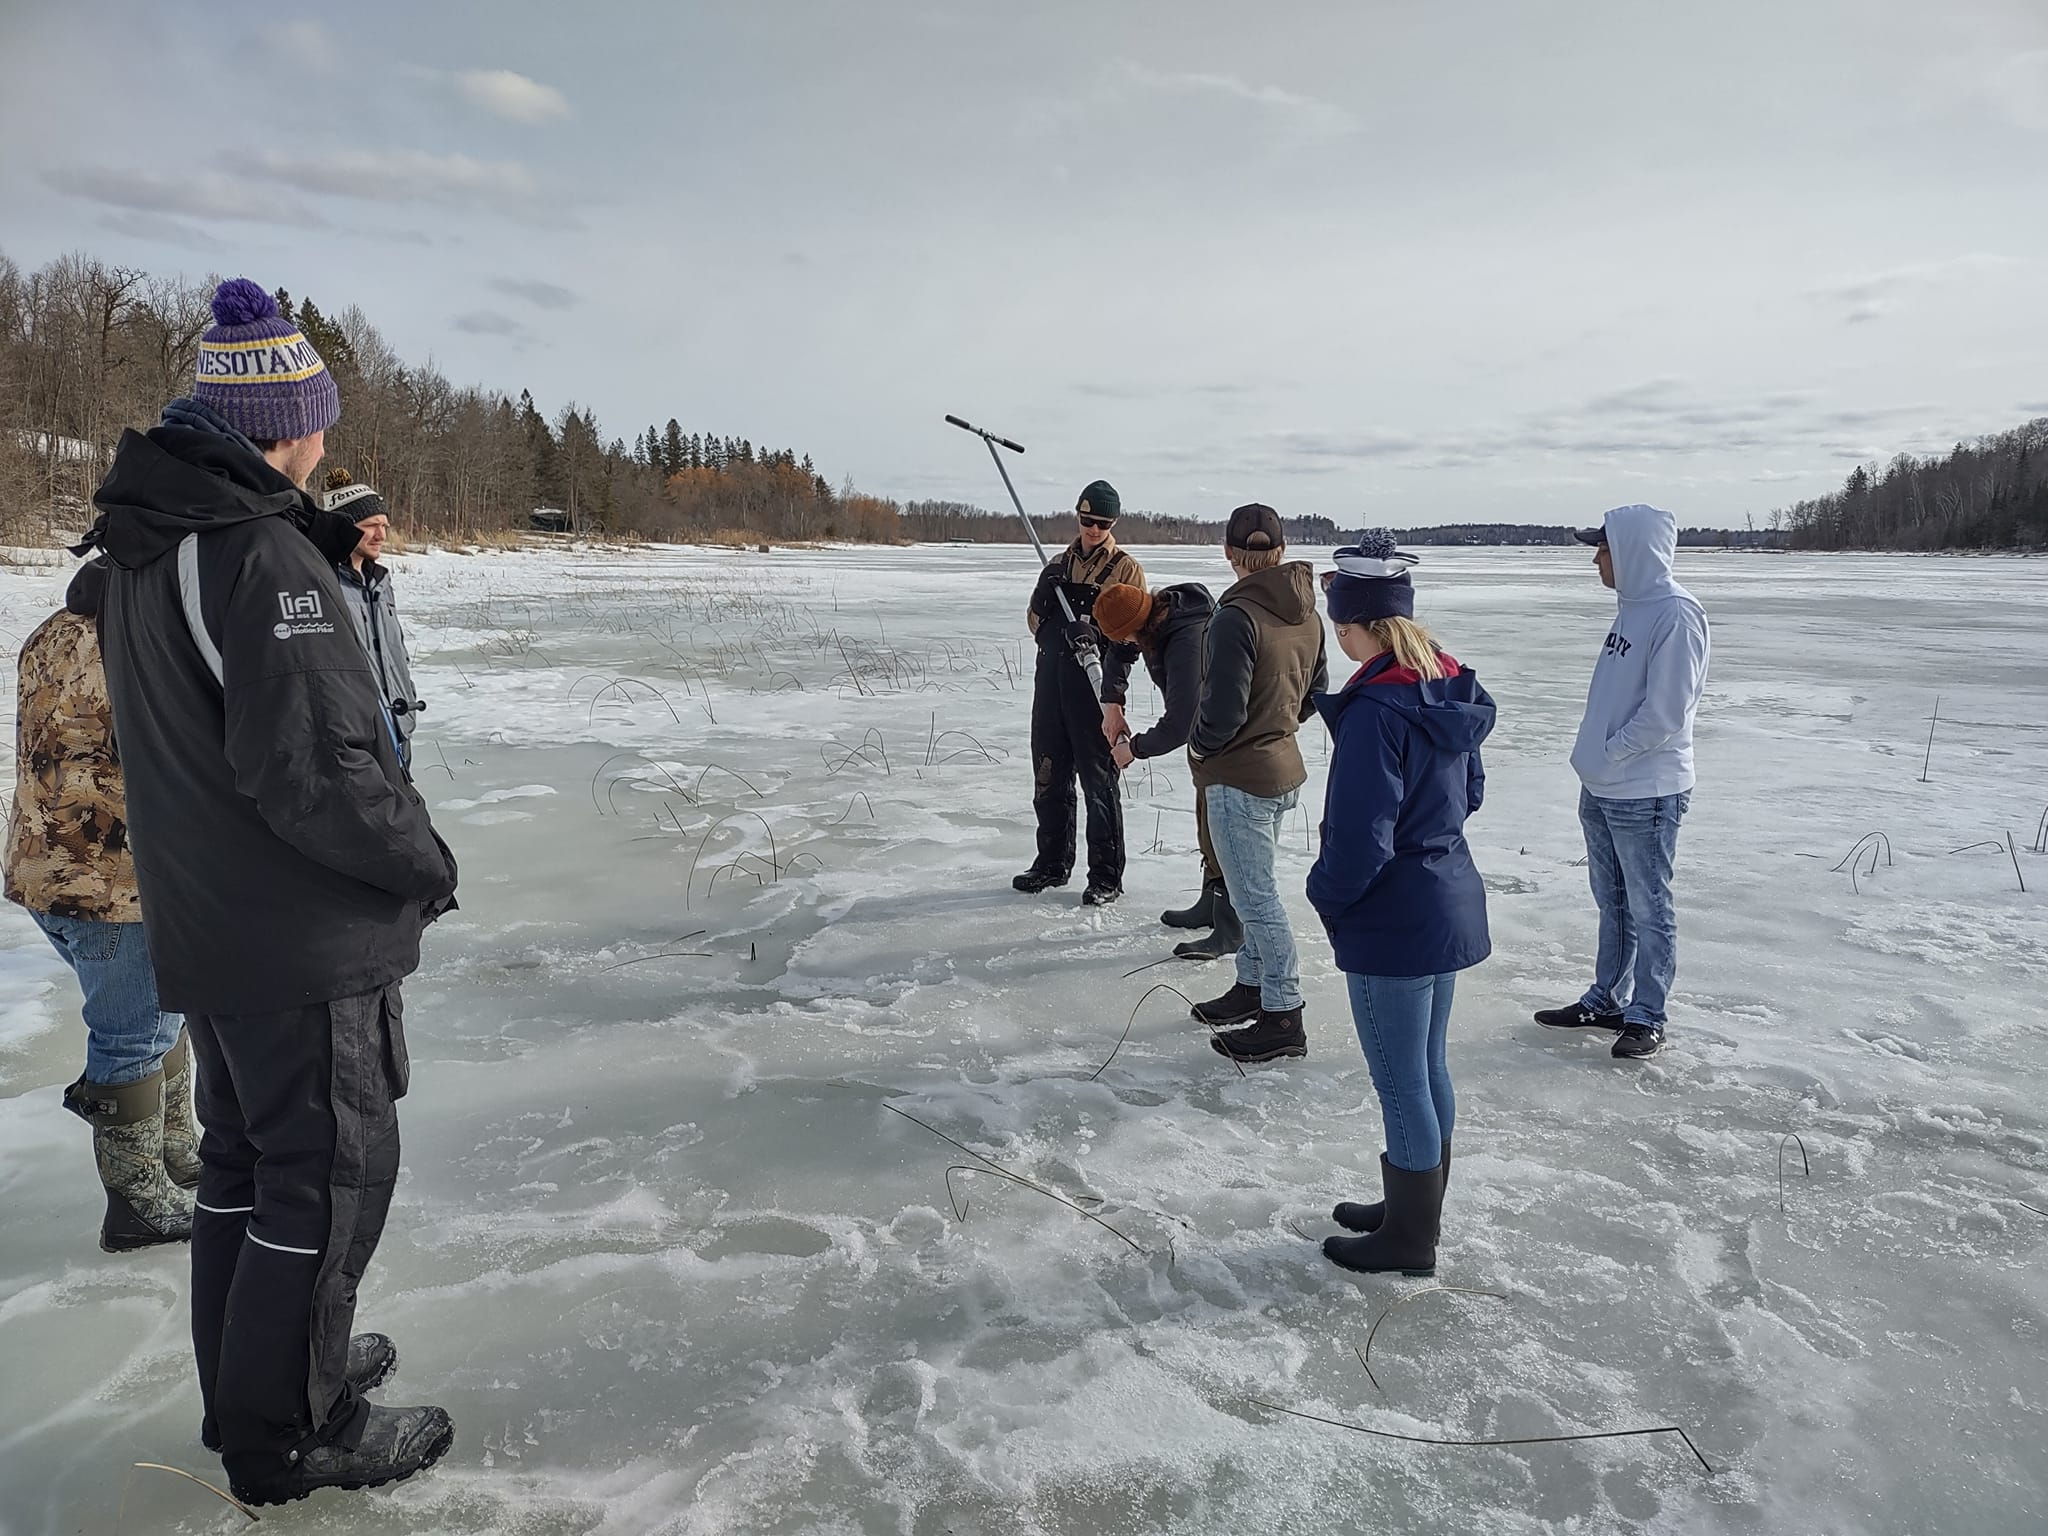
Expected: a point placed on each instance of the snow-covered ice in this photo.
(736, 833)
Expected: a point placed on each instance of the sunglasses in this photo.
(1095, 522)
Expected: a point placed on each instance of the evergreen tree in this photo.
(672, 458)
(541, 454)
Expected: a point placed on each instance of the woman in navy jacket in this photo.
(1395, 884)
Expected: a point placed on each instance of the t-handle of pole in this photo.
(984, 434)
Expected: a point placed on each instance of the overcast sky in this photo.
(1391, 261)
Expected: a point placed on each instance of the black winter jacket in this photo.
(283, 855)
(1173, 655)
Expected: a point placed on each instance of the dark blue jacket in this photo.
(1395, 884)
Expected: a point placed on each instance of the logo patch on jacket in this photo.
(1616, 645)
(303, 615)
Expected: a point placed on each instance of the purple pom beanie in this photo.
(258, 372)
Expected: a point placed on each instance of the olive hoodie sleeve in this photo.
(307, 735)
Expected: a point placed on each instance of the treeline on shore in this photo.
(88, 349)
(1990, 494)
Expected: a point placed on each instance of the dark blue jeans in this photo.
(1630, 845)
(126, 1034)
(1403, 1022)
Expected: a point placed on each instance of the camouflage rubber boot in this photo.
(181, 1131)
(143, 1205)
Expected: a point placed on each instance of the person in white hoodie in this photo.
(1635, 767)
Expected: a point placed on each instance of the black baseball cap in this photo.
(1592, 535)
(1255, 527)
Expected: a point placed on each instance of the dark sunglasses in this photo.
(1095, 522)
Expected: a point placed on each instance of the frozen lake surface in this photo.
(736, 833)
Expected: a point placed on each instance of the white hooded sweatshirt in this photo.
(1635, 742)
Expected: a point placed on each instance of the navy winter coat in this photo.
(1395, 884)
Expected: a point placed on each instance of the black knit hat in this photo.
(357, 503)
(1100, 500)
(1255, 527)
(1371, 581)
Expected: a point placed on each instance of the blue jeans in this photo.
(1630, 845)
(126, 1034)
(1245, 830)
(1402, 1023)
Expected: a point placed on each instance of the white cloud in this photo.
(198, 195)
(404, 176)
(1872, 295)
(489, 322)
(539, 294)
(2018, 89)
(1305, 113)
(511, 95)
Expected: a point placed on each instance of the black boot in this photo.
(1406, 1239)
(1236, 1006)
(396, 1443)
(1273, 1036)
(1100, 894)
(1202, 914)
(1225, 938)
(1034, 880)
(371, 1358)
(1356, 1217)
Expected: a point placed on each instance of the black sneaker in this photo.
(1238, 1005)
(1100, 895)
(1034, 880)
(1274, 1035)
(396, 1444)
(1638, 1041)
(372, 1357)
(1578, 1016)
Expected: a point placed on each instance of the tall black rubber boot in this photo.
(1202, 914)
(1225, 938)
(1406, 1239)
(1356, 1217)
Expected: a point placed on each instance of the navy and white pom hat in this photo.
(1371, 581)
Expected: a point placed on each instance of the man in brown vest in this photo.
(1262, 665)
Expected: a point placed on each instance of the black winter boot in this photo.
(1034, 880)
(1225, 938)
(1202, 914)
(371, 1358)
(396, 1443)
(1236, 1006)
(1274, 1035)
(1100, 895)
(1406, 1239)
(1355, 1217)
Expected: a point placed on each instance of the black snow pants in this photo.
(297, 1165)
(1067, 743)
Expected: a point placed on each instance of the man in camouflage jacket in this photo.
(67, 862)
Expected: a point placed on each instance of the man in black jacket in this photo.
(287, 867)
(1169, 628)
(1067, 720)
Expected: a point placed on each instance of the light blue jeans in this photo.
(1402, 1025)
(126, 1034)
(1246, 832)
(1630, 845)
